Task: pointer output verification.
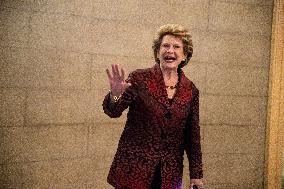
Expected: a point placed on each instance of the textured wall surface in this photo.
(53, 56)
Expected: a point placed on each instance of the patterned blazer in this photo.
(156, 131)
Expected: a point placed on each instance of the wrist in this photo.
(114, 97)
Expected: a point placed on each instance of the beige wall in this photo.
(53, 131)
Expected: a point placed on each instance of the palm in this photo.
(117, 80)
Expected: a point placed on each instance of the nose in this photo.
(170, 49)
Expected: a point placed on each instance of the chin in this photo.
(170, 65)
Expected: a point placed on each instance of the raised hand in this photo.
(117, 80)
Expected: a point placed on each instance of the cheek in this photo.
(159, 53)
(181, 54)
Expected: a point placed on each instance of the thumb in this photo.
(126, 85)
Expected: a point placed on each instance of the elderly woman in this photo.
(162, 121)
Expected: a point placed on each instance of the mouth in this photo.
(169, 59)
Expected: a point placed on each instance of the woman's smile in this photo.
(169, 58)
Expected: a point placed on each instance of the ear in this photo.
(158, 53)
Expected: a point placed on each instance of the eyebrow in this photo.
(175, 44)
(171, 43)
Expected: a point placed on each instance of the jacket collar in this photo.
(157, 88)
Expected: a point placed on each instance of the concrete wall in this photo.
(53, 133)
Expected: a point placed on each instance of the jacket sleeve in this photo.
(115, 109)
(192, 138)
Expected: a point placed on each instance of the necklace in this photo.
(171, 87)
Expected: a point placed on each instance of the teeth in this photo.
(169, 58)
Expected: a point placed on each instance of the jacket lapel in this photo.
(156, 87)
(184, 91)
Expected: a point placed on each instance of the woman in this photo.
(162, 121)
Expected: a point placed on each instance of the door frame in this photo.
(275, 108)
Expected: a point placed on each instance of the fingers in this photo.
(114, 71)
(122, 73)
(117, 72)
(108, 74)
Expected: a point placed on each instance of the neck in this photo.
(168, 71)
(170, 76)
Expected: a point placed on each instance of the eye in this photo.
(166, 45)
(177, 46)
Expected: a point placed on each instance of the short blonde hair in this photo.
(177, 31)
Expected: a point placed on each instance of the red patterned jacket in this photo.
(155, 132)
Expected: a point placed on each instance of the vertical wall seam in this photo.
(91, 63)
(25, 108)
(208, 15)
(29, 25)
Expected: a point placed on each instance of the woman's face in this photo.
(171, 52)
